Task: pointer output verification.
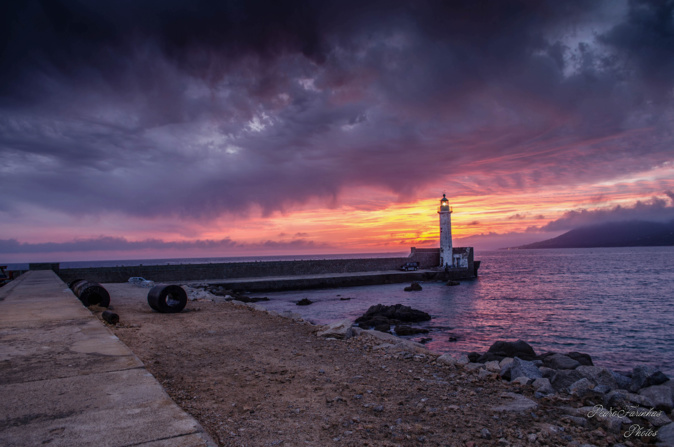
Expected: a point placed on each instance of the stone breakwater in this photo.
(637, 403)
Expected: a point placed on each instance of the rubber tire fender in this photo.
(73, 283)
(165, 299)
(91, 293)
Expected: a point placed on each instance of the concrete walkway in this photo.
(66, 380)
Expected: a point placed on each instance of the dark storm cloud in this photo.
(12, 246)
(195, 108)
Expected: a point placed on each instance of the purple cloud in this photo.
(192, 110)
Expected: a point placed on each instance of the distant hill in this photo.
(612, 234)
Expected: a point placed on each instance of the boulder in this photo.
(523, 380)
(646, 376)
(492, 366)
(598, 375)
(580, 387)
(561, 379)
(304, 302)
(657, 379)
(408, 330)
(582, 358)
(474, 357)
(542, 386)
(560, 361)
(666, 435)
(447, 359)
(660, 396)
(622, 381)
(339, 329)
(517, 348)
(396, 312)
(520, 368)
(489, 357)
(414, 287)
(505, 362)
(382, 327)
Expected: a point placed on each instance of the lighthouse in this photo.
(445, 212)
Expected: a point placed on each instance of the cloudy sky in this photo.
(173, 128)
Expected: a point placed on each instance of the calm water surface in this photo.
(616, 304)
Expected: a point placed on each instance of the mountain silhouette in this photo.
(612, 234)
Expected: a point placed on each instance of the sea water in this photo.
(616, 304)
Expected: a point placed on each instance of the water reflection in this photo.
(597, 301)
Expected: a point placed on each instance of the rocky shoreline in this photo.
(257, 377)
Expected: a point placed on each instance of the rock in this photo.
(513, 402)
(657, 379)
(493, 366)
(383, 327)
(598, 375)
(474, 357)
(560, 361)
(452, 283)
(485, 434)
(463, 360)
(561, 379)
(447, 359)
(396, 312)
(546, 372)
(582, 358)
(611, 419)
(487, 357)
(660, 396)
(580, 387)
(518, 368)
(666, 436)
(408, 330)
(615, 399)
(474, 366)
(657, 418)
(645, 376)
(304, 302)
(339, 329)
(622, 381)
(542, 386)
(522, 380)
(603, 389)
(483, 374)
(414, 287)
(506, 361)
(518, 348)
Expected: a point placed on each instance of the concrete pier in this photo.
(325, 281)
(66, 380)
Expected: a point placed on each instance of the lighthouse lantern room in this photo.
(445, 212)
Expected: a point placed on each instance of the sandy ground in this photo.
(254, 379)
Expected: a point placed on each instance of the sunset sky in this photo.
(187, 128)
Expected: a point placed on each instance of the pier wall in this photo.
(426, 257)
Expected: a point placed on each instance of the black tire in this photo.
(91, 293)
(167, 299)
(73, 283)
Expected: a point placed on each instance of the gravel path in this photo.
(255, 379)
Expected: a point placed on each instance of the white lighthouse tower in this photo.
(445, 212)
